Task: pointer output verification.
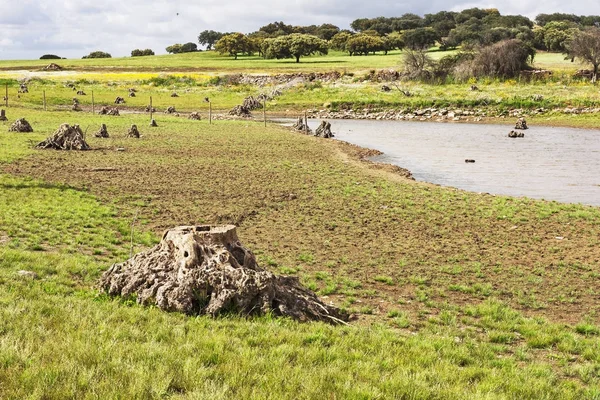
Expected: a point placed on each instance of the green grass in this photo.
(449, 304)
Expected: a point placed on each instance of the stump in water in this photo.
(20, 125)
(324, 130)
(3, 115)
(103, 132)
(515, 134)
(521, 124)
(301, 126)
(153, 123)
(195, 116)
(206, 270)
(170, 110)
(65, 138)
(133, 131)
(240, 111)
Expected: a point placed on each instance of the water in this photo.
(561, 164)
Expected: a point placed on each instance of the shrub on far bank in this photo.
(141, 53)
(98, 54)
(50, 57)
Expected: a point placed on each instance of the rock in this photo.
(20, 125)
(27, 274)
(133, 132)
(65, 138)
(521, 124)
(153, 123)
(3, 115)
(386, 88)
(174, 94)
(119, 100)
(469, 160)
(170, 110)
(515, 134)
(205, 269)
(103, 132)
(324, 130)
(195, 116)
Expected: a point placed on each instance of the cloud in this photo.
(73, 28)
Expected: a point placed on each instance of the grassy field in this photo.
(456, 294)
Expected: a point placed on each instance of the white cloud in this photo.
(73, 28)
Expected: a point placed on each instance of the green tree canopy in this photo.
(295, 46)
(585, 46)
(234, 44)
(363, 44)
(208, 38)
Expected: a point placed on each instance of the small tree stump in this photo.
(81, 93)
(65, 138)
(206, 270)
(133, 132)
(170, 110)
(20, 125)
(153, 123)
(103, 132)
(119, 100)
(240, 111)
(252, 103)
(301, 126)
(174, 94)
(131, 94)
(150, 109)
(324, 130)
(195, 116)
(3, 115)
(521, 124)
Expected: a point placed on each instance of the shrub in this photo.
(98, 54)
(140, 53)
(49, 57)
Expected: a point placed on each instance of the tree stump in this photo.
(81, 93)
(195, 116)
(150, 109)
(153, 123)
(515, 134)
(521, 124)
(3, 115)
(133, 132)
(103, 132)
(174, 94)
(131, 94)
(240, 111)
(206, 270)
(170, 110)
(251, 103)
(324, 130)
(20, 125)
(119, 100)
(65, 138)
(301, 126)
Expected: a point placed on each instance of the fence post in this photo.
(6, 98)
(265, 112)
(44, 100)
(93, 104)
(210, 113)
(151, 109)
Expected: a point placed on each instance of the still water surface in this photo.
(561, 164)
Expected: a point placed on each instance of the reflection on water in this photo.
(549, 163)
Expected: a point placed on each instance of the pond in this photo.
(551, 163)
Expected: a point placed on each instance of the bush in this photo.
(140, 53)
(50, 57)
(504, 60)
(98, 54)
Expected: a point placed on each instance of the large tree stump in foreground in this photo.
(3, 115)
(65, 138)
(20, 125)
(324, 130)
(206, 270)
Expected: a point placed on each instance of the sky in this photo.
(74, 28)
